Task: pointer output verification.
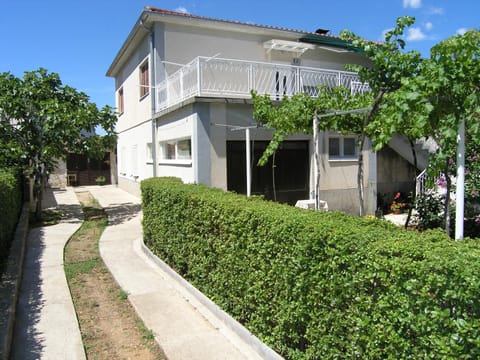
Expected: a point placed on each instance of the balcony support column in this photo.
(248, 158)
(199, 78)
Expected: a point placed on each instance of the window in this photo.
(340, 147)
(144, 80)
(123, 161)
(184, 151)
(134, 160)
(176, 149)
(149, 152)
(120, 100)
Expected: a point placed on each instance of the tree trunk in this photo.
(360, 181)
(446, 213)
(37, 191)
(361, 193)
(414, 195)
(31, 194)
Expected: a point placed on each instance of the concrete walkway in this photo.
(183, 326)
(186, 324)
(46, 324)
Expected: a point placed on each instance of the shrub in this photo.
(100, 180)
(430, 211)
(10, 205)
(318, 285)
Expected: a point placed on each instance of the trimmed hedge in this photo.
(10, 206)
(315, 285)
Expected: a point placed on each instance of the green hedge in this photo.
(10, 206)
(320, 285)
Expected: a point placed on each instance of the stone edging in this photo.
(10, 285)
(258, 346)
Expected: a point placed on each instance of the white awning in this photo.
(285, 45)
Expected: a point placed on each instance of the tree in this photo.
(454, 71)
(442, 95)
(41, 121)
(297, 114)
(389, 65)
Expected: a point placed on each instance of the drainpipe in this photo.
(153, 95)
(153, 99)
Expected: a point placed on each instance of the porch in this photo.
(217, 77)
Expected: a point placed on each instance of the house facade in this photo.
(183, 87)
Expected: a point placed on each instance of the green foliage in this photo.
(73, 269)
(100, 180)
(10, 207)
(389, 63)
(42, 117)
(295, 114)
(429, 207)
(41, 121)
(318, 285)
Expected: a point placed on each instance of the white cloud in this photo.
(415, 34)
(414, 4)
(428, 26)
(435, 11)
(182, 9)
(462, 31)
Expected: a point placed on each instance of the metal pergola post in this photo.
(460, 195)
(248, 155)
(248, 151)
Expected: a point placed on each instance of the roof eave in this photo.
(139, 30)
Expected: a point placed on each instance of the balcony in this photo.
(226, 78)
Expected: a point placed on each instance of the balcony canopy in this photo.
(285, 45)
(325, 41)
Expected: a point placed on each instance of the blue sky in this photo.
(79, 39)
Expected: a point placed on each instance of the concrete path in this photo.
(183, 327)
(46, 324)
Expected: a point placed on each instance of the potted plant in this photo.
(397, 206)
(100, 180)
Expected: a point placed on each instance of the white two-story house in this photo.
(183, 87)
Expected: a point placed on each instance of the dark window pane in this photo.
(334, 147)
(349, 147)
(184, 150)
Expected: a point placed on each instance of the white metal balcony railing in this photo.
(218, 77)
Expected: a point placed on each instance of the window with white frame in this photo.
(342, 147)
(123, 161)
(121, 101)
(149, 152)
(178, 149)
(144, 79)
(134, 160)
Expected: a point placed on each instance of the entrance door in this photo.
(285, 178)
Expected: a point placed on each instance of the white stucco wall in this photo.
(133, 162)
(197, 41)
(207, 42)
(176, 126)
(136, 109)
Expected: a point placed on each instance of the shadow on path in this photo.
(122, 212)
(27, 340)
(41, 293)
